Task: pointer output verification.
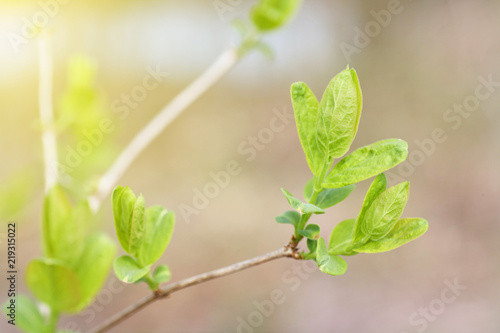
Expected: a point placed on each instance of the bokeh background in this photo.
(428, 58)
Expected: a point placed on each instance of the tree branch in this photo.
(167, 290)
(214, 73)
(46, 110)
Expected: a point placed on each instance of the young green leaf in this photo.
(327, 263)
(385, 211)
(367, 162)
(93, 266)
(54, 284)
(339, 113)
(129, 216)
(27, 317)
(378, 186)
(161, 274)
(404, 231)
(327, 197)
(290, 217)
(128, 270)
(341, 238)
(157, 234)
(311, 231)
(303, 208)
(63, 229)
(312, 244)
(272, 14)
(306, 107)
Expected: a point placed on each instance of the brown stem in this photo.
(165, 291)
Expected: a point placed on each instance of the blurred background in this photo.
(419, 67)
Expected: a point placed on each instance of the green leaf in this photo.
(327, 263)
(303, 208)
(311, 231)
(312, 244)
(129, 216)
(290, 217)
(404, 231)
(128, 270)
(339, 113)
(272, 14)
(54, 284)
(56, 209)
(306, 107)
(162, 274)
(157, 234)
(384, 212)
(27, 316)
(327, 197)
(341, 238)
(367, 162)
(93, 266)
(378, 186)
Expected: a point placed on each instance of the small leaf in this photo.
(339, 113)
(385, 211)
(290, 217)
(54, 283)
(312, 244)
(378, 186)
(272, 14)
(404, 231)
(306, 106)
(93, 266)
(162, 274)
(158, 232)
(128, 270)
(367, 162)
(327, 197)
(129, 216)
(303, 208)
(330, 264)
(27, 316)
(311, 231)
(341, 238)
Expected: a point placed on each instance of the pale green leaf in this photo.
(54, 284)
(157, 234)
(303, 208)
(306, 107)
(385, 211)
(128, 270)
(93, 266)
(327, 197)
(367, 162)
(327, 263)
(25, 315)
(404, 231)
(378, 186)
(339, 113)
(129, 216)
(272, 14)
(161, 274)
(341, 238)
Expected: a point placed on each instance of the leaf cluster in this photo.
(144, 234)
(326, 131)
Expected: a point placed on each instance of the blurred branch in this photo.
(214, 73)
(166, 291)
(46, 110)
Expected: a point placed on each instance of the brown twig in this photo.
(167, 290)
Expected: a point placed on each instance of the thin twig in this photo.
(214, 73)
(167, 290)
(46, 110)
